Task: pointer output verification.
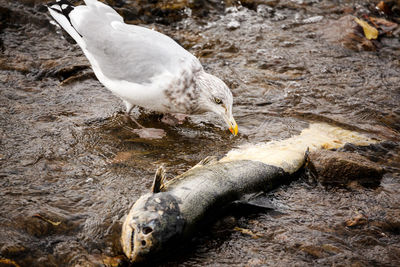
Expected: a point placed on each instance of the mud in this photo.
(71, 164)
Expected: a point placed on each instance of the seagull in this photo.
(142, 66)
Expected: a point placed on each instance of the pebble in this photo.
(233, 25)
(313, 19)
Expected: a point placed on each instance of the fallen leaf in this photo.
(8, 262)
(369, 31)
(247, 232)
(313, 250)
(360, 219)
(383, 7)
(385, 25)
(112, 261)
(46, 220)
(122, 156)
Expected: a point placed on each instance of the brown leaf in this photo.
(122, 156)
(360, 219)
(247, 232)
(383, 7)
(7, 262)
(385, 25)
(112, 261)
(46, 220)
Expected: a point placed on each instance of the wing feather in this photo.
(127, 52)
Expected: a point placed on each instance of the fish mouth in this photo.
(140, 242)
(132, 243)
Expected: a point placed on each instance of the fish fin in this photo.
(307, 154)
(207, 161)
(251, 204)
(159, 179)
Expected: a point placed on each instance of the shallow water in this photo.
(68, 155)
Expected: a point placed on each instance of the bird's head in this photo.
(216, 97)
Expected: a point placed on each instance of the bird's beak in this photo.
(233, 127)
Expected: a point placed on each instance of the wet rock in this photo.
(232, 48)
(314, 19)
(12, 250)
(254, 4)
(265, 11)
(392, 219)
(20, 63)
(263, 65)
(165, 12)
(312, 250)
(63, 69)
(233, 25)
(390, 223)
(13, 14)
(341, 168)
(46, 223)
(348, 33)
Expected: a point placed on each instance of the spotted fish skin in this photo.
(189, 201)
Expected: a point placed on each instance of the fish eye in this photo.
(218, 101)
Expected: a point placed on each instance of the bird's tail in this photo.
(61, 11)
(84, 21)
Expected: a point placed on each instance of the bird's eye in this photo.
(218, 101)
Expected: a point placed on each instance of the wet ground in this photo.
(71, 165)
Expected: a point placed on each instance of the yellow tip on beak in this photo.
(234, 128)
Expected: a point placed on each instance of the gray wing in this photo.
(135, 54)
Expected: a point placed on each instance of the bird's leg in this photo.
(135, 121)
(129, 108)
(143, 132)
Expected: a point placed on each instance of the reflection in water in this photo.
(68, 155)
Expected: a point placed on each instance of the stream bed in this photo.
(71, 165)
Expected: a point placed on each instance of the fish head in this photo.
(153, 222)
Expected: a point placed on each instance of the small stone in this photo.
(279, 17)
(233, 25)
(265, 11)
(264, 65)
(231, 49)
(314, 19)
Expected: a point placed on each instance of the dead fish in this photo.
(173, 211)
